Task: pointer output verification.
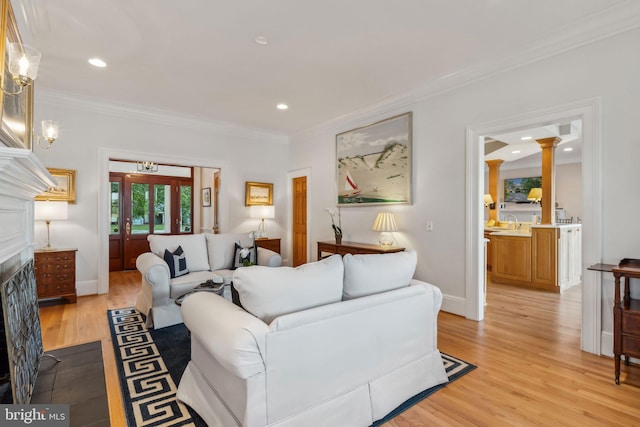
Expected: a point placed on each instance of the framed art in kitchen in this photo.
(374, 163)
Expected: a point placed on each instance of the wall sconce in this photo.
(49, 211)
(23, 62)
(49, 133)
(261, 212)
(147, 167)
(385, 223)
(535, 195)
(488, 201)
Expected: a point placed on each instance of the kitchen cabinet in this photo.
(511, 260)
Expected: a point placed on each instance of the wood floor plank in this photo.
(530, 372)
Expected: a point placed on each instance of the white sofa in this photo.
(314, 348)
(208, 256)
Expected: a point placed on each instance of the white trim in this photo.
(104, 154)
(306, 172)
(453, 304)
(87, 287)
(590, 111)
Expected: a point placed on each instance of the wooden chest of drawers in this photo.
(271, 244)
(55, 272)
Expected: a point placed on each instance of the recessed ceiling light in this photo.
(282, 106)
(568, 149)
(97, 62)
(526, 138)
(261, 40)
(515, 152)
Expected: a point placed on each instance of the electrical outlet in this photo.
(429, 225)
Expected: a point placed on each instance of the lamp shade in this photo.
(535, 194)
(23, 60)
(385, 221)
(50, 130)
(50, 211)
(262, 212)
(488, 199)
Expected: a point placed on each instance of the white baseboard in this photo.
(606, 343)
(455, 305)
(88, 287)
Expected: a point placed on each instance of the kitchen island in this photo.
(544, 257)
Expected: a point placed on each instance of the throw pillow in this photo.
(244, 257)
(269, 292)
(375, 273)
(176, 261)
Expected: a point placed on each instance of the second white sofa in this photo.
(208, 257)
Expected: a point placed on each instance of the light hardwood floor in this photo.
(530, 372)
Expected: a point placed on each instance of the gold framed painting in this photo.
(16, 114)
(258, 193)
(65, 188)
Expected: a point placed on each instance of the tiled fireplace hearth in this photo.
(22, 177)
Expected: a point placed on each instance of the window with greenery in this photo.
(185, 208)
(114, 227)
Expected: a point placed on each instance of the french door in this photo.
(143, 205)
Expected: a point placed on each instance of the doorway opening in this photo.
(589, 112)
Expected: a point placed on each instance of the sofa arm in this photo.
(155, 272)
(269, 258)
(234, 337)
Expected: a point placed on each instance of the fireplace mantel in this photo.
(22, 177)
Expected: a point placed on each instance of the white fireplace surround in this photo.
(22, 177)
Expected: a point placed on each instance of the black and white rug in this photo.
(150, 365)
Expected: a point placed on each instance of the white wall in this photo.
(87, 127)
(606, 69)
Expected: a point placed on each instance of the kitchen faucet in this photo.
(515, 220)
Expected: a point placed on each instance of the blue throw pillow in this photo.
(176, 261)
(244, 256)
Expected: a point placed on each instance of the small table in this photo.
(218, 288)
(353, 248)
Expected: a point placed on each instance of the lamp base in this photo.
(385, 240)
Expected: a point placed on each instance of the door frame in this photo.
(590, 111)
(106, 154)
(298, 173)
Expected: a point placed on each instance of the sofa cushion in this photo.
(177, 262)
(371, 274)
(248, 254)
(268, 292)
(193, 245)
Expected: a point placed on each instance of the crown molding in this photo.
(615, 20)
(61, 99)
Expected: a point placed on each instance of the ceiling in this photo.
(325, 59)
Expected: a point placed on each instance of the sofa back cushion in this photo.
(268, 292)
(372, 274)
(193, 245)
(222, 248)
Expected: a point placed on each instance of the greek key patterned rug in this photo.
(150, 365)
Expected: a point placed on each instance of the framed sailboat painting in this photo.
(374, 163)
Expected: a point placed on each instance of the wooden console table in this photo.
(352, 248)
(626, 311)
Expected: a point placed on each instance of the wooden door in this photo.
(152, 205)
(299, 232)
(116, 235)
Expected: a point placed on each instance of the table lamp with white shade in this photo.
(385, 223)
(50, 211)
(261, 212)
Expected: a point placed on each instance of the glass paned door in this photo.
(162, 209)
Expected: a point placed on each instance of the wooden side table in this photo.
(353, 248)
(271, 244)
(55, 272)
(626, 311)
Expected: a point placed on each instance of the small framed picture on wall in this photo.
(206, 197)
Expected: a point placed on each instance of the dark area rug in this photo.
(151, 363)
(78, 381)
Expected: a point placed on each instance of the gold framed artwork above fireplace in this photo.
(65, 188)
(16, 115)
